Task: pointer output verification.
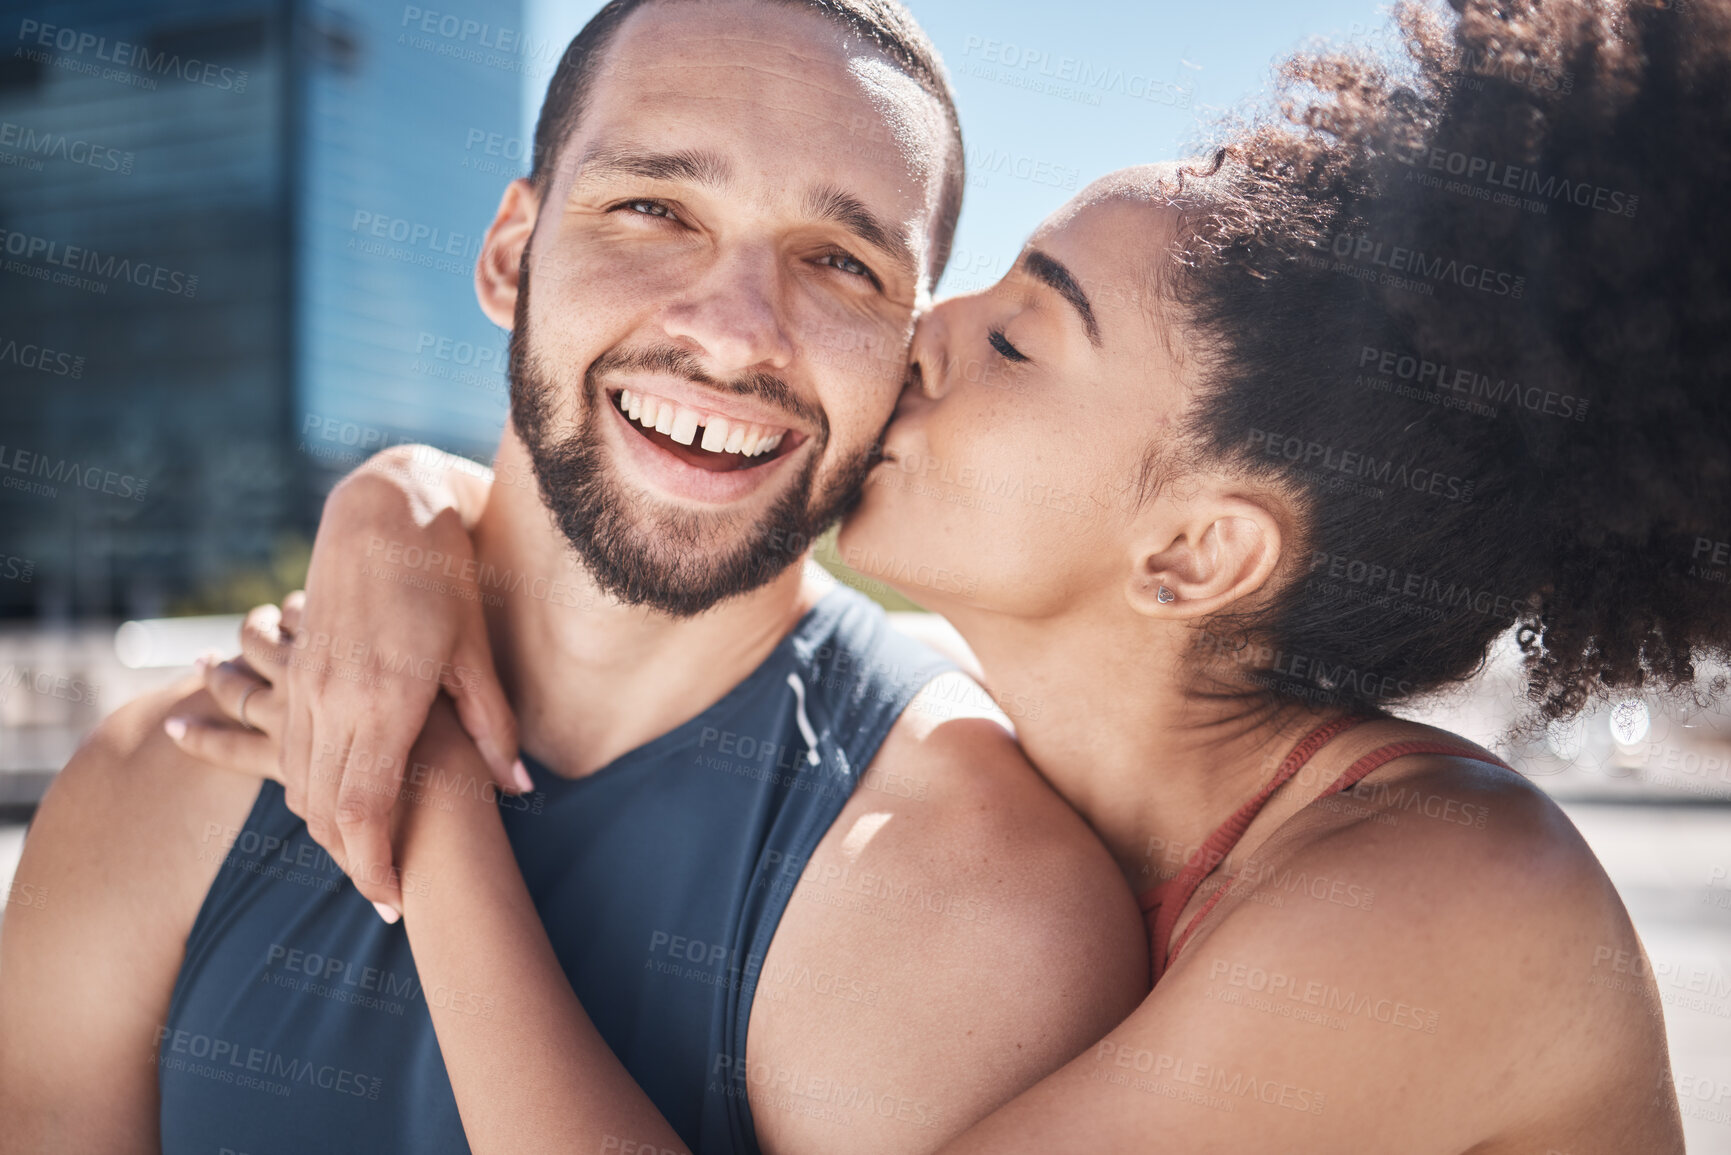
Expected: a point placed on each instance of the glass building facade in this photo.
(235, 253)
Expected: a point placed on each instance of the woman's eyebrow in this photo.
(1052, 273)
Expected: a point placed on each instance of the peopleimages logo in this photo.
(1389, 579)
(110, 267)
(59, 145)
(1469, 383)
(1071, 77)
(1516, 178)
(64, 687)
(985, 163)
(1363, 250)
(1353, 463)
(135, 56)
(227, 1060)
(40, 358)
(25, 464)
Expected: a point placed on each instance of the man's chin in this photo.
(669, 556)
(628, 510)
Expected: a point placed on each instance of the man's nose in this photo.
(734, 317)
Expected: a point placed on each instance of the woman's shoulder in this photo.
(1439, 813)
(1457, 864)
(1449, 821)
(1443, 921)
(1441, 968)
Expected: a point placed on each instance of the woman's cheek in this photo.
(984, 371)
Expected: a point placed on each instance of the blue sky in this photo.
(1053, 95)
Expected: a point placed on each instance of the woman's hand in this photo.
(392, 615)
(248, 690)
(245, 688)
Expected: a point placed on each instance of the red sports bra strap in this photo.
(1168, 899)
(1354, 774)
(1382, 755)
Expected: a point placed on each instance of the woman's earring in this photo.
(1164, 595)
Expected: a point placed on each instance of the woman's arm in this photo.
(392, 592)
(528, 1068)
(1416, 986)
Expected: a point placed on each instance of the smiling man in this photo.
(738, 828)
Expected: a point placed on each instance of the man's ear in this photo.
(1219, 552)
(499, 267)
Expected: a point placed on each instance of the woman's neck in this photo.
(1103, 707)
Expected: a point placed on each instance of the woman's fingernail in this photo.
(520, 775)
(176, 728)
(389, 913)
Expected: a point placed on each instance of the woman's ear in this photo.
(499, 267)
(1222, 551)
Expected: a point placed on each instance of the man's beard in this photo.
(680, 562)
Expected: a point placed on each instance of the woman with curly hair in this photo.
(1284, 439)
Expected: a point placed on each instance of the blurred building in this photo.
(235, 243)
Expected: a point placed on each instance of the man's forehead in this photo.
(727, 62)
(771, 95)
(692, 46)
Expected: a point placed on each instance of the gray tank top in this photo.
(298, 1022)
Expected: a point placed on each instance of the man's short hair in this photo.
(886, 23)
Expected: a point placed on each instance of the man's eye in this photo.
(649, 209)
(847, 264)
(1002, 344)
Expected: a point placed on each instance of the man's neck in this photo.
(590, 678)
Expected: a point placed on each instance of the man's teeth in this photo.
(685, 424)
(719, 434)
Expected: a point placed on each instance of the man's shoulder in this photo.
(1010, 865)
(860, 665)
(970, 797)
(137, 812)
(117, 863)
(987, 931)
(129, 754)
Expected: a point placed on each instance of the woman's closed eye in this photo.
(1002, 344)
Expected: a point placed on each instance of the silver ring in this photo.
(240, 711)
